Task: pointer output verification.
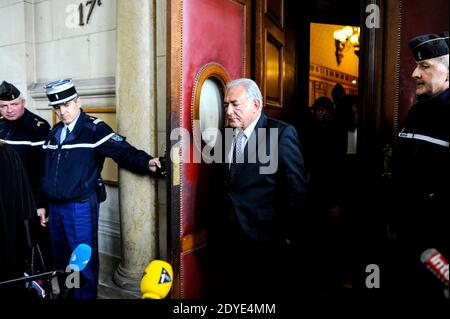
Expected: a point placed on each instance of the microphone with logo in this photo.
(78, 261)
(438, 265)
(80, 257)
(157, 280)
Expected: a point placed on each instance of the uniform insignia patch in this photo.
(117, 138)
(39, 123)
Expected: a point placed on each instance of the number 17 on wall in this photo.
(91, 4)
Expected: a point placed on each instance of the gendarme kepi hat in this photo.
(8, 92)
(60, 91)
(428, 46)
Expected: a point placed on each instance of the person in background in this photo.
(322, 153)
(337, 93)
(349, 174)
(347, 120)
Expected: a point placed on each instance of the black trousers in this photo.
(241, 268)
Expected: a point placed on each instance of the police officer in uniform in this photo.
(421, 170)
(74, 153)
(25, 132)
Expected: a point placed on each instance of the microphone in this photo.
(78, 260)
(157, 280)
(436, 263)
(80, 257)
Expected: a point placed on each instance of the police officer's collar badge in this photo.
(429, 46)
(116, 137)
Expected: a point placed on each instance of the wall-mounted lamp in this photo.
(344, 39)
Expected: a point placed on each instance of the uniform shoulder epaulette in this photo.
(40, 122)
(35, 122)
(94, 119)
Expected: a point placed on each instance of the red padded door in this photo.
(201, 32)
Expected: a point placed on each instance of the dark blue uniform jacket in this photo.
(73, 167)
(26, 136)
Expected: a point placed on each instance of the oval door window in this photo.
(207, 102)
(211, 110)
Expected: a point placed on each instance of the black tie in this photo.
(237, 153)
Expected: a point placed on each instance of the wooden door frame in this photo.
(174, 101)
(379, 79)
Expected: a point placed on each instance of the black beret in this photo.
(8, 92)
(429, 46)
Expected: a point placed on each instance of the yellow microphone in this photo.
(157, 280)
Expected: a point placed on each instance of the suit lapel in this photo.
(255, 139)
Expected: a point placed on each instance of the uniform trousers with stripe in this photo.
(72, 224)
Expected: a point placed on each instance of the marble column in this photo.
(136, 58)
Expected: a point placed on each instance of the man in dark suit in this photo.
(256, 227)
